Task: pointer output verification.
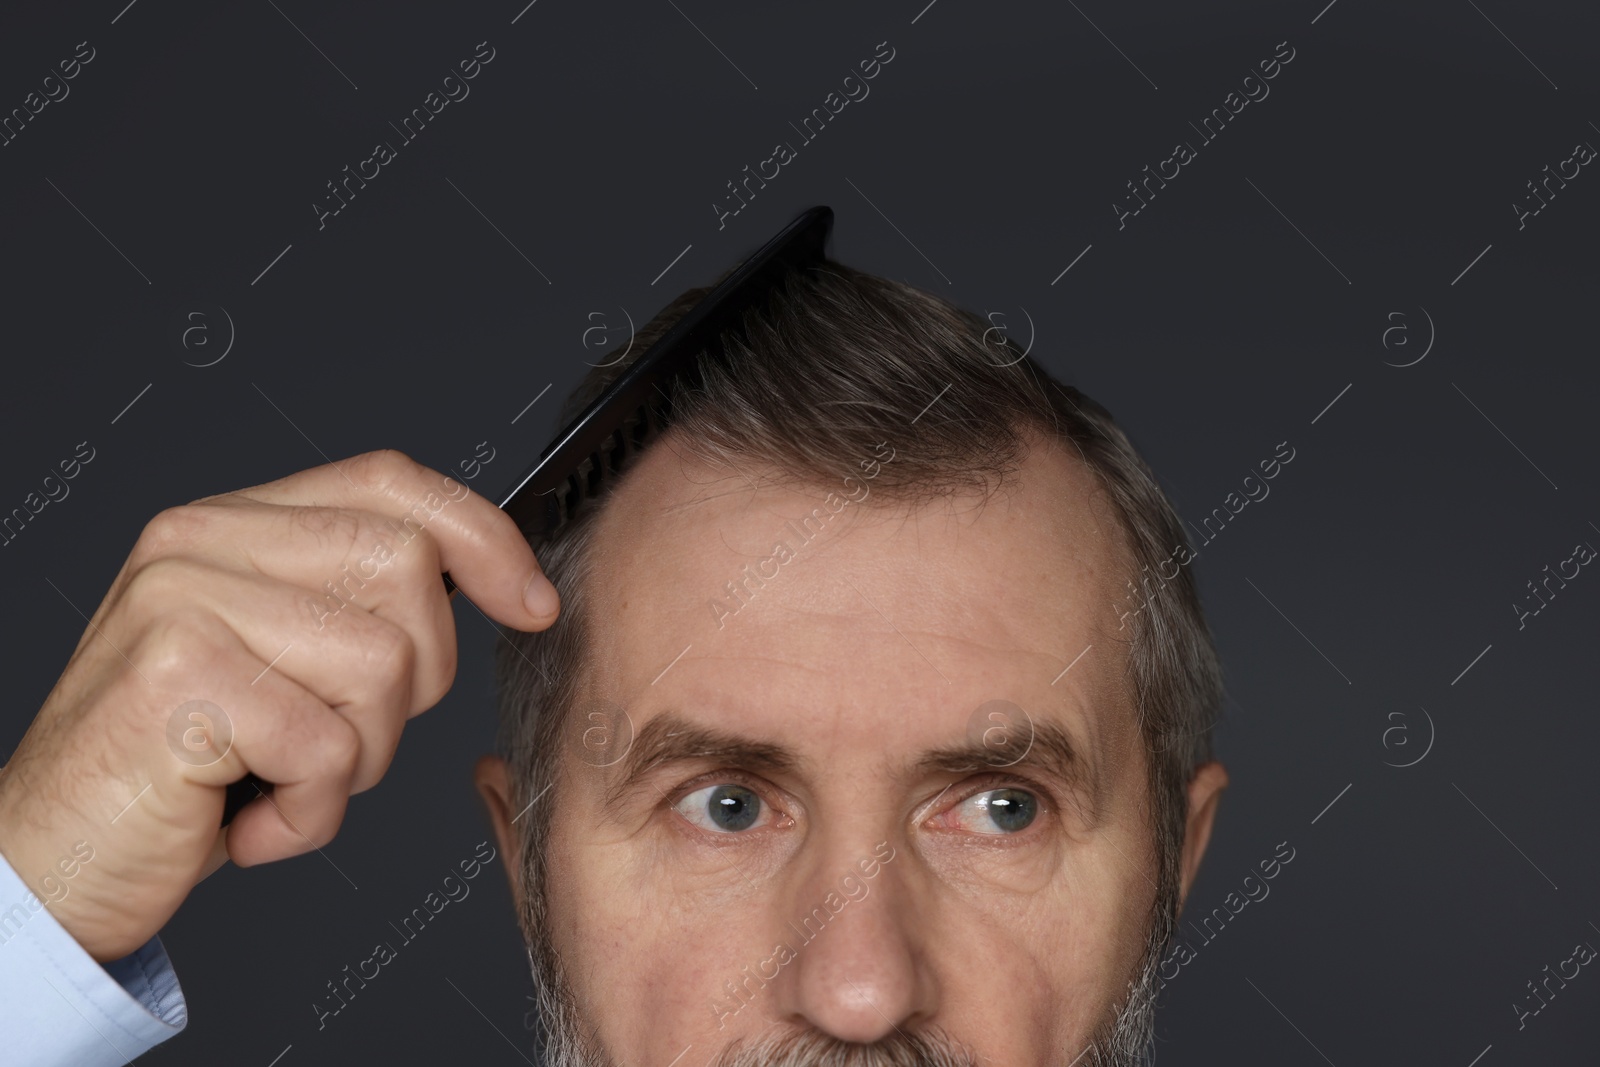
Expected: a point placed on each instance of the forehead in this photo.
(830, 618)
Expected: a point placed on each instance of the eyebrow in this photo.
(670, 738)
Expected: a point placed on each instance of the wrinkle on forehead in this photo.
(1017, 584)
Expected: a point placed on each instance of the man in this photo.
(874, 729)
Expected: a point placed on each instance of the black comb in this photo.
(593, 450)
(635, 408)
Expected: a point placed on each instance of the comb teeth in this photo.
(600, 467)
(635, 407)
(637, 429)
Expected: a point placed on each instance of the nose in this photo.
(859, 972)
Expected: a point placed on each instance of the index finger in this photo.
(488, 558)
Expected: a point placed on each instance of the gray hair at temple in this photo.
(839, 361)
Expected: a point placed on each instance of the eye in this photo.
(996, 811)
(726, 808)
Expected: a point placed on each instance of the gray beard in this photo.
(1125, 1040)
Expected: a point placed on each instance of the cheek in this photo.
(648, 951)
(1002, 992)
(1025, 976)
(1111, 925)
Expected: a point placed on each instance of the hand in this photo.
(226, 600)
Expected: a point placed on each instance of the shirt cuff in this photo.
(58, 1005)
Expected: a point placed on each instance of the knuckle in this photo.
(162, 585)
(323, 832)
(333, 751)
(449, 657)
(378, 470)
(177, 646)
(170, 530)
(438, 680)
(323, 827)
(340, 750)
(388, 652)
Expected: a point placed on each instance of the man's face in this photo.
(891, 785)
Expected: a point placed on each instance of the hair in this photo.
(840, 360)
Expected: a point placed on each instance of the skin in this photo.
(874, 645)
(1016, 946)
(214, 594)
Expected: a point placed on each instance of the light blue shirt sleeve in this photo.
(60, 1008)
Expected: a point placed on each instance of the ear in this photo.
(494, 785)
(1205, 793)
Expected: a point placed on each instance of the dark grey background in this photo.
(984, 162)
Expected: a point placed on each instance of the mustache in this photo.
(812, 1048)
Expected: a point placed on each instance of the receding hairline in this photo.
(887, 501)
